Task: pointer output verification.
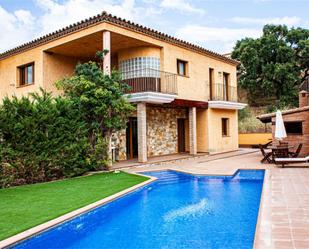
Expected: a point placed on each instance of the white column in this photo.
(107, 57)
(192, 130)
(142, 132)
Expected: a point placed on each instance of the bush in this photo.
(41, 139)
(248, 123)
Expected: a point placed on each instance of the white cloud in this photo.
(25, 17)
(16, 28)
(57, 15)
(21, 26)
(290, 21)
(221, 40)
(181, 5)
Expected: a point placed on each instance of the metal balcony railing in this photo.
(222, 92)
(150, 80)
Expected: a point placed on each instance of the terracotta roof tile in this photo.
(105, 17)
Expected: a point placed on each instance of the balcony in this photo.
(151, 86)
(224, 97)
(150, 80)
(221, 92)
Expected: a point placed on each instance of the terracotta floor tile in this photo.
(283, 244)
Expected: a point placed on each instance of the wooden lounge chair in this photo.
(296, 153)
(266, 155)
(284, 161)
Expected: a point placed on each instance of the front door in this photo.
(181, 135)
(131, 138)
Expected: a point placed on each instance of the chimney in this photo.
(303, 98)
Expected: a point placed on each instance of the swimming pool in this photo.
(176, 211)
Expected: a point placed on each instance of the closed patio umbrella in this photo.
(280, 132)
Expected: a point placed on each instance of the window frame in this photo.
(225, 131)
(226, 84)
(185, 63)
(23, 74)
(211, 72)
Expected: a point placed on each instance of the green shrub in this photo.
(248, 123)
(41, 139)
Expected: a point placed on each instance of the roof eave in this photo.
(105, 17)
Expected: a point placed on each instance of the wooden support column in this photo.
(107, 57)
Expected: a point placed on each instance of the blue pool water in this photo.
(176, 211)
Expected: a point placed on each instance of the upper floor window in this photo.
(26, 74)
(182, 67)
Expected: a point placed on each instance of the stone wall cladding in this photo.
(119, 141)
(162, 136)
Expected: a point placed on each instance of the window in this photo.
(140, 67)
(294, 128)
(226, 77)
(182, 68)
(225, 126)
(26, 74)
(211, 82)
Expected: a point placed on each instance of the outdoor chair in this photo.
(284, 161)
(266, 155)
(296, 153)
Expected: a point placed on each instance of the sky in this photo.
(213, 24)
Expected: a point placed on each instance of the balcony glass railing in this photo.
(150, 80)
(222, 92)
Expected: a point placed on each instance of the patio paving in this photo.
(284, 210)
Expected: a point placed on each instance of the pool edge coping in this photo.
(71, 215)
(267, 175)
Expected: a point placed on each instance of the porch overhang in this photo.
(150, 97)
(226, 105)
(189, 103)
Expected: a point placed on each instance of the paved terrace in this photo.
(284, 211)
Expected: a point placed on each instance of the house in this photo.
(185, 95)
(296, 122)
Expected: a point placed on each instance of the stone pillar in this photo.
(107, 57)
(142, 132)
(192, 130)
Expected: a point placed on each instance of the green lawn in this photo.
(27, 206)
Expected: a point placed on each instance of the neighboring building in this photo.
(186, 96)
(296, 122)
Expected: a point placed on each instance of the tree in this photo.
(274, 65)
(100, 98)
(41, 139)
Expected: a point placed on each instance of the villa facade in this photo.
(185, 95)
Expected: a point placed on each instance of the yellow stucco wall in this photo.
(9, 73)
(202, 131)
(254, 138)
(195, 86)
(217, 142)
(57, 67)
(126, 54)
